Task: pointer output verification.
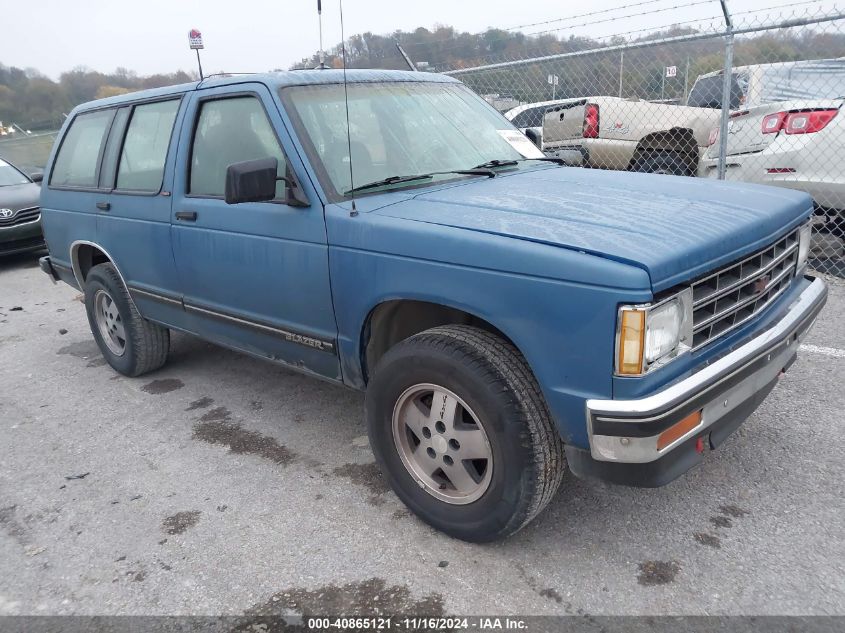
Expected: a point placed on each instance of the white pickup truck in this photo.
(637, 135)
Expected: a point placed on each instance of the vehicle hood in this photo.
(17, 197)
(675, 228)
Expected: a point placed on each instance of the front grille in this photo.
(730, 297)
(21, 217)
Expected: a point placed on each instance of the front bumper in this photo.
(624, 433)
(572, 155)
(21, 238)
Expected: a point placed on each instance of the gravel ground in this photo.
(225, 485)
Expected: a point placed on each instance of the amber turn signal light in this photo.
(680, 429)
(631, 341)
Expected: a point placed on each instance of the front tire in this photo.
(131, 344)
(462, 433)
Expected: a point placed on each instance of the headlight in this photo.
(652, 335)
(805, 235)
(663, 330)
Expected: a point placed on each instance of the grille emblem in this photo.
(6, 213)
(760, 284)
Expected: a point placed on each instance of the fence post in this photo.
(621, 66)
(726, 91)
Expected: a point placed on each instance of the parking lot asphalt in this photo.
(222, 484)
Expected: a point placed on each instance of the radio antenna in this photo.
(320, 22)
(354, 211)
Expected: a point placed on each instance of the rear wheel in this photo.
(459, 426)
(131, 344)
(662, 163)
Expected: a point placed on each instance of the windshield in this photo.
(10, 175)
(399, 129)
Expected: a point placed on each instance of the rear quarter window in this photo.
(707, 91)
(145, 147)
(533, 117)
(79, 153)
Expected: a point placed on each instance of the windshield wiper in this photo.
(393, 180)
(491, 164)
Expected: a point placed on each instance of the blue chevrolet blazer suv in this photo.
(508, 317)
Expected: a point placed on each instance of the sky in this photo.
(150, 36)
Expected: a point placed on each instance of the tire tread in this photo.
(150, 342)
(487, 353)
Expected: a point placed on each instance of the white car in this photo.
(529, 116)
(790, 132)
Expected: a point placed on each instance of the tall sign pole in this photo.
(195, 40)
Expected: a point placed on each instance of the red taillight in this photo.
(773, 123)
(806, 122)
(714, 136)
(591, 121)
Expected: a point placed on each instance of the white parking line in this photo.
(827, 351)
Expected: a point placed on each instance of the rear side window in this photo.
(707, 91)
(532, 117)
(78, 158)
(231, 131)
(145, 148)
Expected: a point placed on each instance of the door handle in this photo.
(104, 206)
(186, 216)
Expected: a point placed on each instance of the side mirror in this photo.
(255, 181)
(534, 137)
(36, 176)
(251, 181)
(294, 196)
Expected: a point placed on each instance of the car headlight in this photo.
(651, 335)
(805, 235)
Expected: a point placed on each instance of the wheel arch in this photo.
(393, 320)
(678, 140)
(84, 255)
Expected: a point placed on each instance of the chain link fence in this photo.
(741, 97)
(29, 152)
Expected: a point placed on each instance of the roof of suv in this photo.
(276, 80)
(833, 63)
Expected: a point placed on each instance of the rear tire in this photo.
(131, 344)
(498, 459)
(661, 163)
